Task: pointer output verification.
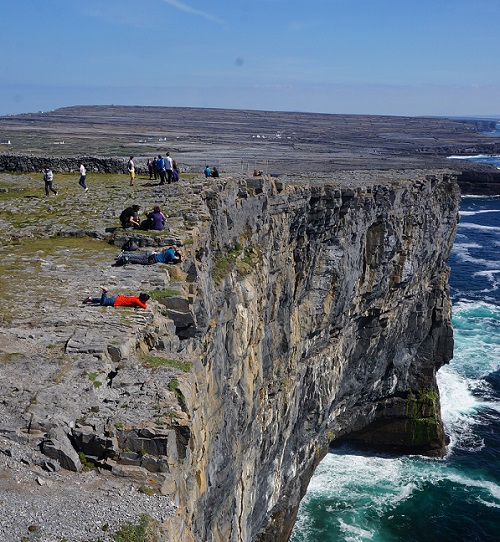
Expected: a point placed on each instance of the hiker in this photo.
(131, 170)
(207, 172)
(168, 168)
(167, 255)
(160, 165)
(155, 169)
(83, 176)
(175, 171)
(156, 219)
(129, 217)
(119, 300)
(215, 172)
(150, 169)
(48, 177)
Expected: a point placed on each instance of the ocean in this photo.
(357, 497)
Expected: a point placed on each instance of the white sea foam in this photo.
(488, 504)
(491, 277)
(473, 226)
(472, 157)
(482, 211)
(354, 533)
(492, 488)
(462, 251)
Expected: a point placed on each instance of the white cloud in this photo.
(193, 11)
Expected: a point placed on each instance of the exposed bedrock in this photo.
(305, 313)
(324, 314)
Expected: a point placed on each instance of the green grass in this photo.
(154, 362)
(167, 292)
(93, 378)
(243, 260)
(144, 531)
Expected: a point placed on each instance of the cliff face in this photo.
(324, 314)
(305, 313)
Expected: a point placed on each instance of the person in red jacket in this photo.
(119, 300)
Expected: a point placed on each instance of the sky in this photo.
(380, 57)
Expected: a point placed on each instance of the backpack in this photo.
(130, 245)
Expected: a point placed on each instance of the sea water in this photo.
(356, 497)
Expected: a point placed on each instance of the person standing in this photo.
(150, 169)
(160, 166)
(48, 177)
(131, 170)
(83, 176)
(168, 167)
(155, 169)
(175, 171)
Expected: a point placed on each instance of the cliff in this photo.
(306, 312)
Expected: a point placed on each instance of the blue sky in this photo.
(383, 57)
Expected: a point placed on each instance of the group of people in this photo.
(214, 172)
(161, 168)
(48, 177)
(155, 220)
(164, 169)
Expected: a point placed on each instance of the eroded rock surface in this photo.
(306, 311)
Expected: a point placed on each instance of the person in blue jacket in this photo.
(167, 255)
(160, 166)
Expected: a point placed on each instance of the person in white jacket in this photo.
(48, 177)
(83, 176)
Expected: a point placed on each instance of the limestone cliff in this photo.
(324, 313)
(306, 312)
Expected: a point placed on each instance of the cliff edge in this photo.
(306, 312)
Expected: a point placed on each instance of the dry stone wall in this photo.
(19, 163)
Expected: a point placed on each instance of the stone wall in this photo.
(18, 163)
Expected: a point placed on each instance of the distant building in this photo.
(5, 142)
(58, 142)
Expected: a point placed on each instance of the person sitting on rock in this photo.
(167, 255)
(129, 217)
(156, 219)
(119, 300)
(215, 172)
(208, 172)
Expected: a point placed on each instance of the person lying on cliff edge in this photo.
(118, 300)
(167, 255)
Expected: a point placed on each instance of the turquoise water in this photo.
(355, 497)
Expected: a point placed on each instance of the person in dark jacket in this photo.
(129, 217)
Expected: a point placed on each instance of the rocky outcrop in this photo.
(305, 313)
(481, 181)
